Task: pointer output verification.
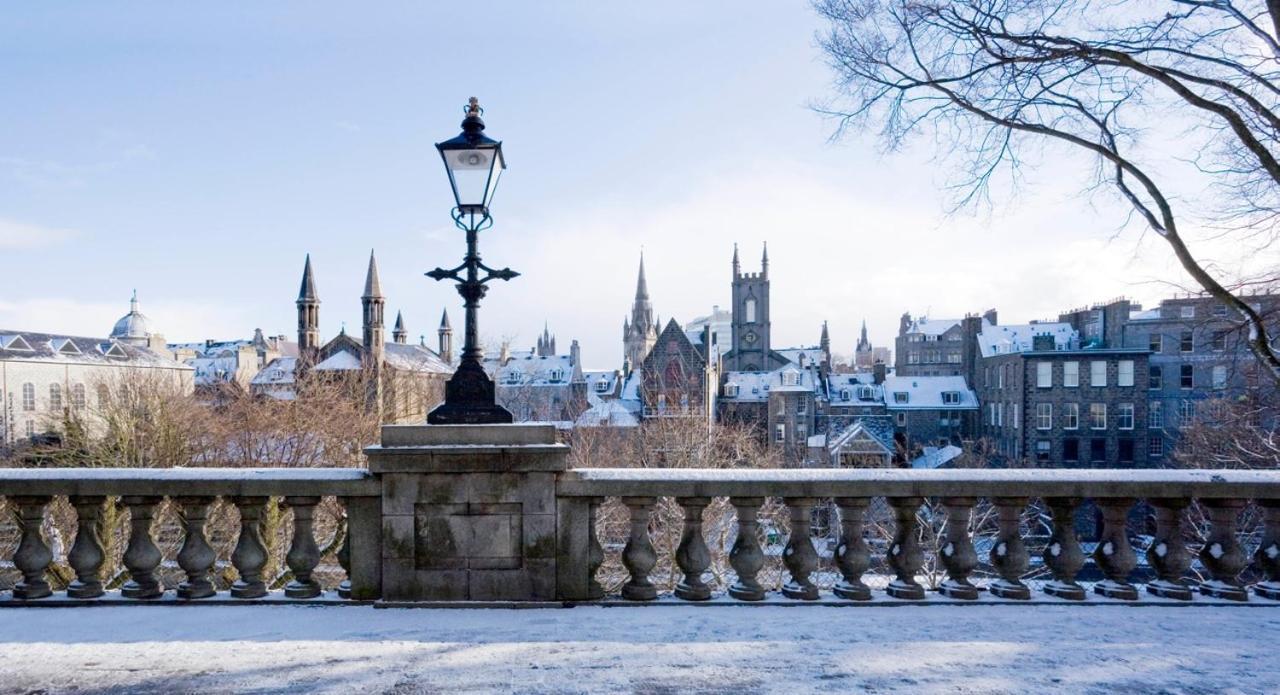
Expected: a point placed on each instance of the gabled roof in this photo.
(15, 342)
(64, 346)
(925, 393)
(860, 438)
(52, 347)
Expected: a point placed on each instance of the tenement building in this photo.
(1049, 399)
(48, 380)
(939, 347)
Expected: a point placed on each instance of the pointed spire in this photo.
(864, 330)
(826, 337)
(133, 303)
(399, 321)
(308, 291)
(372, 287)
(764, 257)
(444, 321)
(642, 286)
(736, 264)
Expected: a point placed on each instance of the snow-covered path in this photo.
(740, 649)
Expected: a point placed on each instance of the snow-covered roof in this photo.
(532, 370)
(793, 355)
(415, 358)
(926, 392)
(1002, 340)
(610, 413)
(70, 349)
(927, 326)
(340, 361)
(935, 457)
(1147, 315)
(601, 381)
(213, 370)
(854, 389)
(756, 386)
(279, 372)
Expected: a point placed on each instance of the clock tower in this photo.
(751, 341)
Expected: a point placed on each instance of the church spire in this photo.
(374, 336)
(308, 290)
(308, 313)
(399, 334)
(764, 261)
(642, 286)
(737, 266)
(444, 336)
(372, 286)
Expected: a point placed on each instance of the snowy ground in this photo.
(655, 649)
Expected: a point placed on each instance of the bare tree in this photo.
(1106, 78)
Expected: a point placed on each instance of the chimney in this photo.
(990, 316)
(878, 371)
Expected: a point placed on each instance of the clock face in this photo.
(750, 338)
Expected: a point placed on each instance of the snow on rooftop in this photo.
(1053, 649)
(339, 361)
(1002, 340)
(929, 392)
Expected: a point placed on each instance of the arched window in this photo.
(749, 310)
(77, 396)
(28, 397)
(55, 397)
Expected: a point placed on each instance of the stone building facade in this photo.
(939, 347)
(678, 377)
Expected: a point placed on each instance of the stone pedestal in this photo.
(468, 511)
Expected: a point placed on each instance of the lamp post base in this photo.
(469, 399)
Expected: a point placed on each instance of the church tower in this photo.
(824, 344)
(308, 314)
(445, 338)
(399, 334)
(640, 332)
(750, 325)
(863, 356)
(375, 338)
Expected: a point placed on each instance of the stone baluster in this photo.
(746, 557)
(33, 555)
(195, 558)
(1063, 555)
(595, 551)
(250, 555)
(1114, 554)
(86, 553)
(1168, 554)
(303, 554)
(957, 554)
(1268, 555)
(905, 555)
(638, 556)
(799, 556)
(344, 550)
(1222, 554)
(141, 556)
(853, 557)
(692, 556)
(1009, 556)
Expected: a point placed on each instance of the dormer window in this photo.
(731, 390)
(113, 350)
(901, 397)
(557, 374)
(844, 394)
(64, 346)
(15, 342)
(951, 397)
(866, 393)
(602, 386)
(791, 378)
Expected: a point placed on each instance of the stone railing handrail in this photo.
(862, 482)
(270, 482)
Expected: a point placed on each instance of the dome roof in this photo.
(134, 325)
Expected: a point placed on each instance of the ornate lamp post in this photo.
(474, 162)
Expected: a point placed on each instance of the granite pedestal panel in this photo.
(468, 511)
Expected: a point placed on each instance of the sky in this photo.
(197, 153)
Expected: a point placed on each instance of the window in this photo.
(1157, 343)
(1000, 376)
(780, 433)
(1044, 416)
(1000, 414)
(866, 393)
(1124, 450)
(1124, 373)
(1155, 415)
(900, 396)
(1187, 410)
(802, 431)
(104, 395)
(28, 397)
(1097, 416)
(802, 407)
(1097, 450)
(77, 396)
(991, 414)
(750, 312)
(1155, 446)
(913, 357)
(1188, 342)
(950, 397)
(1070, 416)
(1219, 309)
(1186, 377)
(1188, 311)
(902, 419)
(1219, 342)
(1043, 447)
(1071, 449)
(986, 376)
(1071, 374)
(1098, 373)
(1044, 375)
(31, 428)
(1155, 378)
(55, 397)
(1219, 377)
(1124, 416)
(1017, 415)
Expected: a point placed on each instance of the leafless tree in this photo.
(990, 78)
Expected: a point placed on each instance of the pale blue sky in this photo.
(197, 152)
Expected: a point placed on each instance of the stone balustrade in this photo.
(194, 491)
(494, 513)
(1223, 494)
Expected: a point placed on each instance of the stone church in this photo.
(401, 381)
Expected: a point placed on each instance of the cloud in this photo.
(16, 235)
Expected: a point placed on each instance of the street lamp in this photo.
(474, 162)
